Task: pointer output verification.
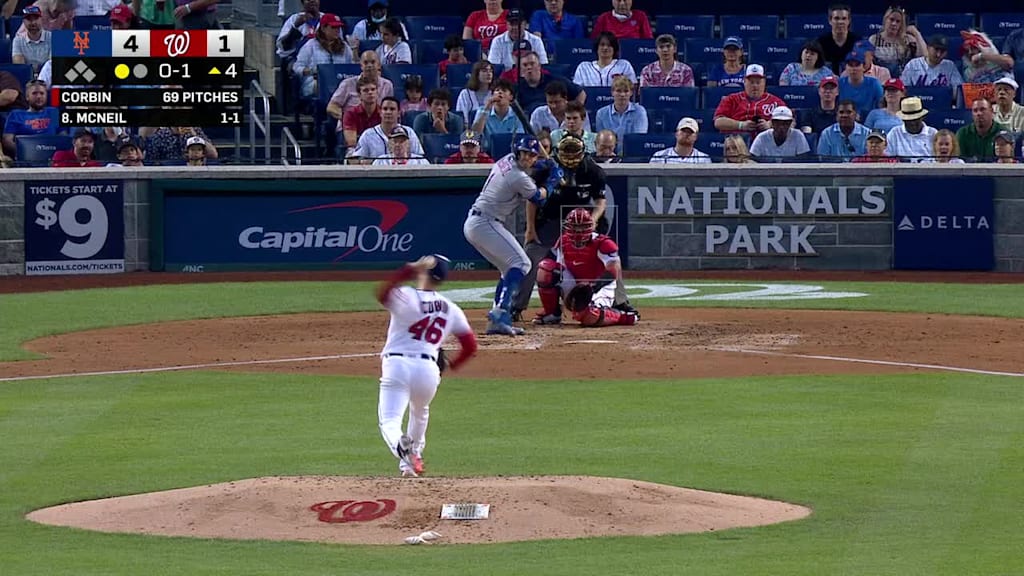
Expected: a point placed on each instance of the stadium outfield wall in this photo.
(788, 216)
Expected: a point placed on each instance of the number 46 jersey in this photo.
(421, 320)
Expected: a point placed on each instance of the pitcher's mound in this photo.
(386, 511)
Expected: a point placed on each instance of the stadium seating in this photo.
(872, 23)
(712, 144)
(37, 150)
(765, 50)
(330, 75)
(683, 98)
(933, 97)
(796, 96)
(5, 51)
(949, 118)
(437, 147)
(13, 24)
(597, 97)
(686, 26)
(638, 147)
(572, 52)
(749, 27)
(101, 22)
(665, 119)
(397, 73)
(23, 72)
(945, 24)
(499, 144)
(702, 50)
(564, 70)
(350, 21)
(433, 27)
(712, 96)
(1001, 23)
(410, 117)
(639, 53)
(806, 25)
(432, 51)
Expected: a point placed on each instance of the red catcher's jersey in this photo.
(586, 264)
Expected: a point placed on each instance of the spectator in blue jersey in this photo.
(37, 119)
(730, 71)
(847, 138)
(864, 91)
(554, 23)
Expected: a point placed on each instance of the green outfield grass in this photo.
(907, 475)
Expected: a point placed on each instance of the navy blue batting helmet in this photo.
(440, 270)
(527, 143)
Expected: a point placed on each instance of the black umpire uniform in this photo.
(582, 185)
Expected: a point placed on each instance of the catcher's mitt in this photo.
(442, 360)
(579, 297)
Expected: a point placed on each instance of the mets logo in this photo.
(81, 42)
(177, 44)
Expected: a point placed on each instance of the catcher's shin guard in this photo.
(597, 316)
(549, 276)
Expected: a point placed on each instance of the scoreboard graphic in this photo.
(132, 78)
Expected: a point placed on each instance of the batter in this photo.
(412, 359)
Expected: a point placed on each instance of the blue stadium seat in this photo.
(872, 23)
(812, 141)
(433, 27)
(660, 119)
(686, 26)
(712, 96)
(13, 24)
(574, 51)
(5, 51)
(597, 97)
(23, 72)
(499, 144)
(750, 26)
(1001, 23)
(671, 116)
(955, 43)
(437, 147)
(640, 147)
(564, 70)
(37, 150)
(700, 73)
(101, 22)
(765, 50)
(680, 98)
(945, 24)
(806, 25)
(933, 97)
(639, 53)
(950, 118)
(796, 96)
(410, 117)
(398, 72)
(773, 71)
(704, 50)
(712, 144)
(329, 76)
(350, 21)
(1018, 75)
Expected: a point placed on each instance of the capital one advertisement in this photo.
(209, 232)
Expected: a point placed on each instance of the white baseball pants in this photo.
(495, 243)
(406, 383)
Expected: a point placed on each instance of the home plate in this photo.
(590, 342)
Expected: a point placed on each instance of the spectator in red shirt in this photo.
(749, 110)
(365, 115)
(484, 25)
(623, 22)
(469, 151)
(80, 156)
(876, 144)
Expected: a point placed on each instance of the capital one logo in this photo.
(177, 44)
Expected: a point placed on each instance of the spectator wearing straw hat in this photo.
(911, 140)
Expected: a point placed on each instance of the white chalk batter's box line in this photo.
(736, 350)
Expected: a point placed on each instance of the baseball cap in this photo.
(195, 141)
(83, 132)
(732, 41)
(782, 113)
(829, 80)
(1005, 135)
(877, 135)
(399, 132)
(864, 46)
(514, 15)
(440, 270)
(124, 141)
(470, 137)
(855, 56)
(1007, 81)
(687, 122)
(754, 70)
(894, 84)
(938, 41)
(331, 20)
(122, 13)
(32, 11)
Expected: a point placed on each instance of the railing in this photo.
(256, 121)
(286, 137)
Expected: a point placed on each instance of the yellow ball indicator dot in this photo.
(121, 71)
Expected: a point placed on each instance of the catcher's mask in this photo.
(579, 225)
(570, 152)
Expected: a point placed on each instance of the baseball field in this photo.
(892, 411)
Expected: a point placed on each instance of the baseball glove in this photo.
(579, 297)
(442, 360)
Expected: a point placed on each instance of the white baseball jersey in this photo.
(671, 156)
(506, 188)
(500, 52)
(590, 74)
(373, 143)
(916, 147)
(421, 320)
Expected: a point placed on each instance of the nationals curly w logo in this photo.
(177, 44)
(353, 511)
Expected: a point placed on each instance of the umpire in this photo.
(573, 180)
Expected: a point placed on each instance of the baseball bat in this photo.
(521, 115)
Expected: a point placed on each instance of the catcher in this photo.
(583, 266)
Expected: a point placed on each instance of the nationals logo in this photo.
(372, 238)
(343, 511)
(177, 44)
